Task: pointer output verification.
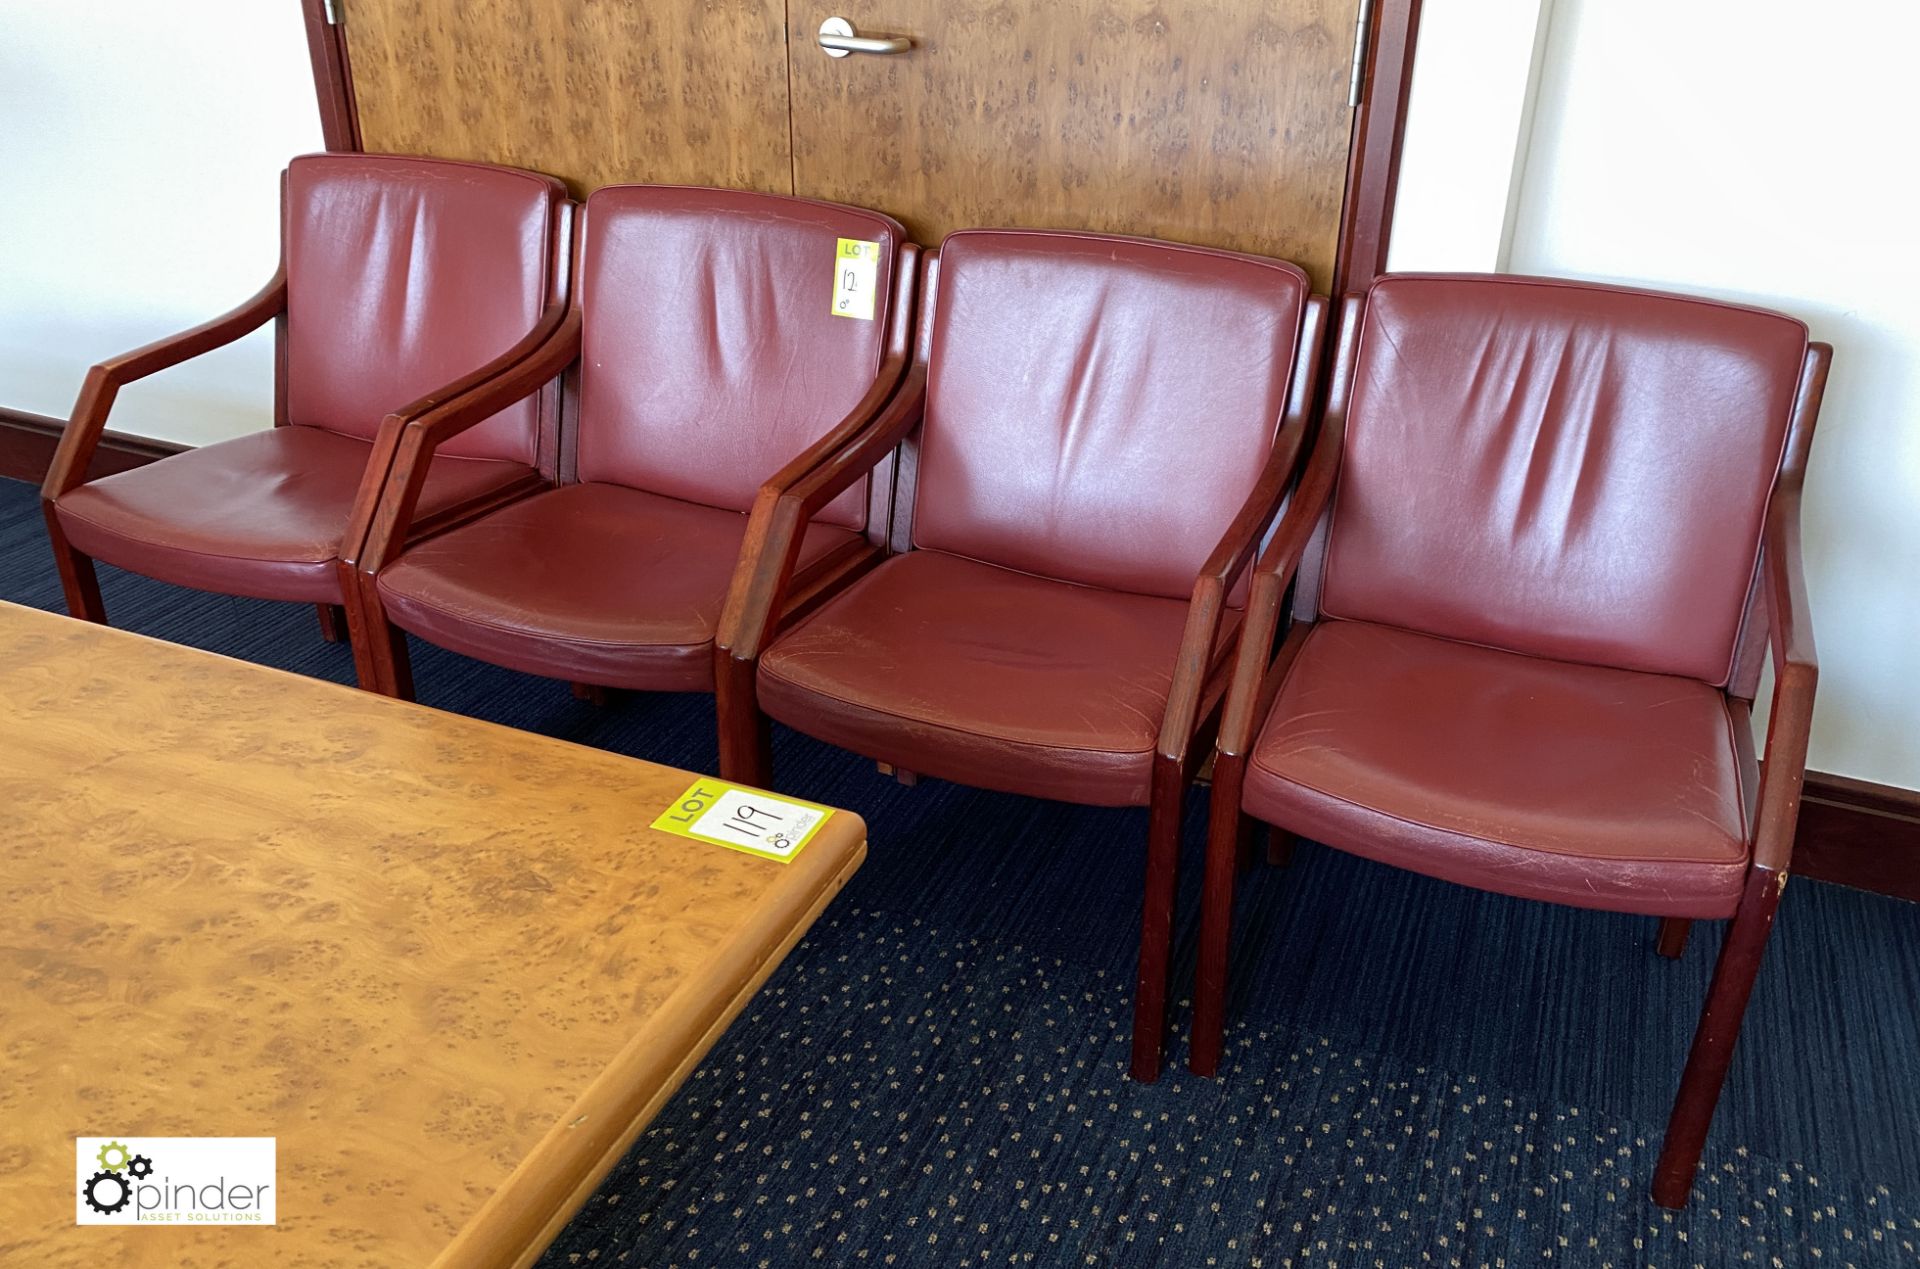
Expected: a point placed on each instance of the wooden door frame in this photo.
(1373, 161)
(332, 78)
(1373, 157)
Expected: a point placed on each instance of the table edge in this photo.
(562, 1171)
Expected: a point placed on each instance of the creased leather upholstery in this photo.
(709, 356)
(404, 274)
(1574, 471)
(1578, 784)
(709, 361)
(594, 583)
(1539, 553)
(261, 515)
(970, 672)
(1099, 408)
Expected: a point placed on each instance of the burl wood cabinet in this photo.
(1220, 122)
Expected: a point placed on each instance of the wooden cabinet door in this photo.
(596, 92)
(1218, 122)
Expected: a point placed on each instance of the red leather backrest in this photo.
(404, 274)
(710, 356)
(1099, 408)
(1562, 469)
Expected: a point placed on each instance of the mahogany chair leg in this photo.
(82, 587)
(1712, 1052)
(379, 647)
(77, 578)
(333, 622)
(1224, 829)
(1156, 918)
(1279, 847)
(387, 657)
(396, 664)
(900, 774)
(591, 693)
(363, 614)
(1673, 936)
(746, 737)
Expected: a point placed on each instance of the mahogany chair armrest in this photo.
(104, 381)
(484, 392)
(403, 449)
(857, 457)
(886, 381)
(1242, 538)
(1251, 687)
(1796, 667)
(1195, 664)
(845, 433)
(886, 414)
(1796, 673)
(1254, 680)
(781, 511)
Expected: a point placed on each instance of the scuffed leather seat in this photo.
(1099, 429)
(400, 277)
(705, 361)
(1579, 784)
(987, 676)
(637, 610)
(1547, 535)
(259, 515)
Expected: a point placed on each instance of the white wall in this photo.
(140, 151)
(1468, 114)
(1759, 150)
(1750, 149)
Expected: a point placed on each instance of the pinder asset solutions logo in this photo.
(174, 1180)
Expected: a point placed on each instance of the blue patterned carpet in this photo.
(1417, 1074)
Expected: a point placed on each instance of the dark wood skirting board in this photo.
(1859, 834)
(27, 442)
(1852, 832)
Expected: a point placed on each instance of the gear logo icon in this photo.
(109, 1190)
(118, 1193)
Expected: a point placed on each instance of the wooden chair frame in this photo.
(81, 437)
(540, 362)
(765, 597)
(68, 471)
(1777, 615)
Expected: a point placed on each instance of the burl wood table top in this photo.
(447, 964)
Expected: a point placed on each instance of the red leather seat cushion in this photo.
(1577, 784)
(260, 515)
(595, 583)
(985, 676)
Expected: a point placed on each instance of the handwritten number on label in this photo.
(744, 820)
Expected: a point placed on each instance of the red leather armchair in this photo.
(1094, 434)
(701, 359)
(402, 280)
(1546, 537)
